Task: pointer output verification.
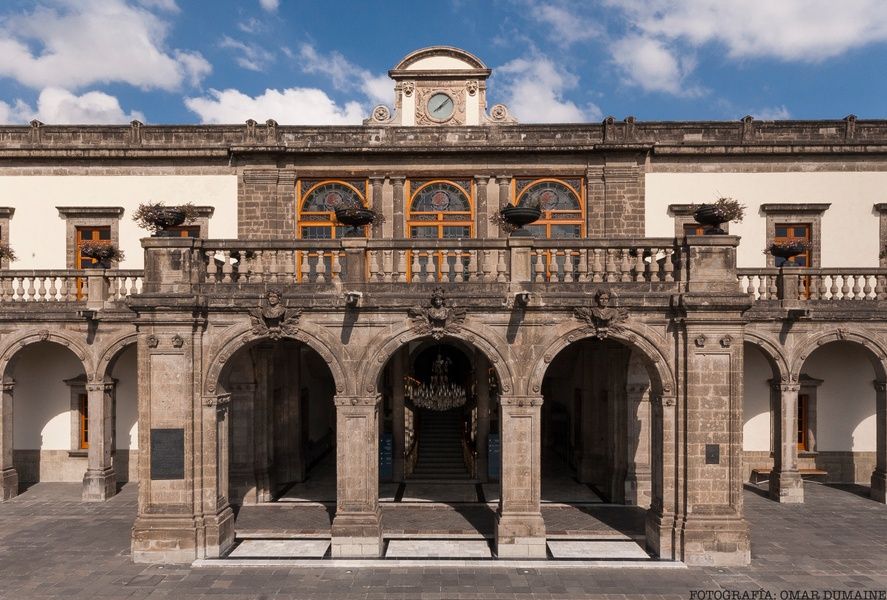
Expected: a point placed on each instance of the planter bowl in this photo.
(711, 216)
(787, 251)
(355, 218)
(167, 218)
(519, 216)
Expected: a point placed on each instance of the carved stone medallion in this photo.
(274, 319)
(602, 319)
(437, 319)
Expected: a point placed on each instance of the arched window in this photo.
(441, 210)
(317, 203)
(563, 211)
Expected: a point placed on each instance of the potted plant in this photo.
(518, 216)
(725, 210)
(356, 217)
(7, 253)
(788, 249)
(159, 218)
(102, 251)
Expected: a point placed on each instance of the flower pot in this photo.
(711, 216)
(355, 218)
(518, 216)
(166, 219)
(787, 251)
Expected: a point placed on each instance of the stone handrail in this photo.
(848, 283)
(93, 287)
(359, 260)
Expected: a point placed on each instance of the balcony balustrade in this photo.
(94, 287)
(809, 284)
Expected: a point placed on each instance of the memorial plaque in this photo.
(712, 454)
(494, 456)
(167, 454)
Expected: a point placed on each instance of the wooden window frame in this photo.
(796, 214)
(88, 216)
(77, 390)
(440, 222)
(201, 223)
(330, 221)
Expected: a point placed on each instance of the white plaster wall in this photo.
(126, 373)
(42, 400)
(756, 424)
(37, 231)
(433, 63)
(845, 406)
(850, 217)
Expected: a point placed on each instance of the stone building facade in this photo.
(662, 367)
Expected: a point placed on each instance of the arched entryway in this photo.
(597, 464)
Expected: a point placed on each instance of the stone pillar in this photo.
(100, 481)
(480, 208)
(398, 370)
(595, 202)
(637, 476)
(8, 474)
(263, 427)
(399, 208)
(376, 202)
(483, 416)
(504, 182)
(217, 519)
(665, 494)
(879, 476)
(786, 484)
(357, 526)
(520, 529)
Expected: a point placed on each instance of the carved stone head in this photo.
(437, 297)
(602, 298)
(273, 296)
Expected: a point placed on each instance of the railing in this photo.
(648, 260)
(68, 285)
(814, 284)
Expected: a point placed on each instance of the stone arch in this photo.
(875, 349)
(772, 351)
(377, 355)
(313, 337)
(660, 374)
(11, 348)
(105, 363)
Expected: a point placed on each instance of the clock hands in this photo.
(441, 105)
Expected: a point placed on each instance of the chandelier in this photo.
(440, 393)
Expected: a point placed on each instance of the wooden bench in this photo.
(760, 475)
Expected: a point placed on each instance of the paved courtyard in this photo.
(54, 546)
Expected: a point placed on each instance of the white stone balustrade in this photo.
(68, 285)
(814, 284)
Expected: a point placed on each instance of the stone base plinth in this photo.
(164, 539)
(219, 534)
(879, 486)
(520, 536)
(713, 540)
(787, 487)
(659, 529)
(8, 484)
(99, 484)
(357, 535)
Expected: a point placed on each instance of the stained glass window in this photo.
(317, 218)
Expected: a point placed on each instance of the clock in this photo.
(440, 106)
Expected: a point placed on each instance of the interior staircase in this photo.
(440, 446)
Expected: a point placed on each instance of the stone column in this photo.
(398, 370)
(357, 526)
(595, 202)
(217, 518)
(786, 484)
(504, 182)
(376, 202)
(483, 416)
(398, 212)
(8, 474)
(879, 476)
(637, 476)
(480, 209)
(520, 529)
(263, 429)
(100, 481)
(665, 472)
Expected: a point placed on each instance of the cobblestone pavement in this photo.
(54, 546)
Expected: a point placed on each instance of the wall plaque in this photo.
(167, 454)
(712, 454)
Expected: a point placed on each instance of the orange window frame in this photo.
(806, 234)
(90, 233)
(83, 404)
(186, 231)
(803, 421)
(439, 222)
(329, 221)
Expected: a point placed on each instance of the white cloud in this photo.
(771, 113)
(292, 106)
(270, 5)
(533, 91)
(790, 30)
(567, 26)
(61, 107)
(250, 56)
(73, 44)
(167, 5)
(653, 66)
(345, 75)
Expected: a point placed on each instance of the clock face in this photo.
(440, 106)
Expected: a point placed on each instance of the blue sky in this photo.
(312, 62)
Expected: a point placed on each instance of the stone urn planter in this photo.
(711, 216)
(788, 250)
(355, 217)
(102, 252)
(518, 216)
(160, 219)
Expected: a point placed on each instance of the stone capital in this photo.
(348, 401)
(220, 401)
(102, 386)
(503, 179)
(520, 401)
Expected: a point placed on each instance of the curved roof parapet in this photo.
(439, 58)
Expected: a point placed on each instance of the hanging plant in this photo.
(518, 216)
(102, 251)
(158, 218)
(7, 253)
(356, 217)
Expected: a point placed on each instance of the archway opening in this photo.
(122, 372)
(50, 414)
(278, 437)
(439, 437)
(598, 467)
